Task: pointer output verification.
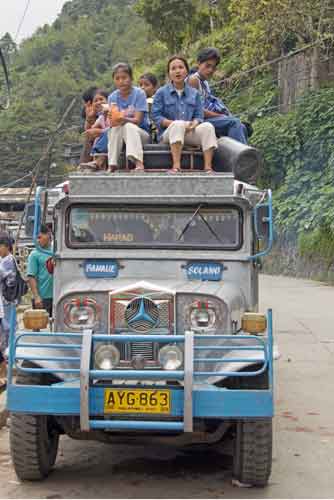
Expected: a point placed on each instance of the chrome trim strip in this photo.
(84, 379)
(188, 380)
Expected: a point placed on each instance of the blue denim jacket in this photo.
(169, 105)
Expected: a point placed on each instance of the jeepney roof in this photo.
(155, 187)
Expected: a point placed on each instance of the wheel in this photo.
(33, 444)
(33, 439)
(253, 451)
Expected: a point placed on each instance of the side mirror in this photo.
(262, 222)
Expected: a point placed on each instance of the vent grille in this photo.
(145, 349)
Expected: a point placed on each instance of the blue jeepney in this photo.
(156, 332)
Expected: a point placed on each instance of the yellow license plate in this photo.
(136, 401)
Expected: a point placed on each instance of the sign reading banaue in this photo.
(101, 268)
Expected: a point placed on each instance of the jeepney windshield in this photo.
(154, 227)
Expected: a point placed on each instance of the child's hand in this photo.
(90, 111)
(191, 125)
(92, 133)
(116, 116)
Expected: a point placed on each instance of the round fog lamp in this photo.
(106, 357)
(170, 357)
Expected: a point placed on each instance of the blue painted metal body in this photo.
(209, 401)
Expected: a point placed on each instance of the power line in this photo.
(264, 65)
(45, 154)
(22, 20)
(10, 184)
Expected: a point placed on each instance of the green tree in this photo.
(266, 28)
(169, 20)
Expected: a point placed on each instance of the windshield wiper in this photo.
(212, 231)
(190, 221)
(198, 212)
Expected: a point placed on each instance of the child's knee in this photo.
(178, 125)
(130, 127)
(206, 126)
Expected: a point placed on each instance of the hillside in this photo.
(58, 62)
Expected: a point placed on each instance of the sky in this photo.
(40, 12)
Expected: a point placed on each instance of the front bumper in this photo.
(190, 399)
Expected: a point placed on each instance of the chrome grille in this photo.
(143, 312)
(120, 311)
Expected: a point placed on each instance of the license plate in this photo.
(136, 401)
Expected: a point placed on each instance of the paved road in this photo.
(304, 426)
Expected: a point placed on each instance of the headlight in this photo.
(81, 312)
(106, 357)
(202, 316)
(170, 357)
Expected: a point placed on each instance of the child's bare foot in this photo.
(139, 167)
(91, 165)
(111, 169)
(174, 170)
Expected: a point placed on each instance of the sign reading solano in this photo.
(99, 268)
(205, 271)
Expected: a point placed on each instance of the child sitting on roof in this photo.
(129, 119)
(97, 133)
(88, 117)
(149, 84)
(215, 111)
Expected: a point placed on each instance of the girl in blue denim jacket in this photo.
(178, 113)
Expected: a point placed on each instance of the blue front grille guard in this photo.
(86, 400)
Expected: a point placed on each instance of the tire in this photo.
(33, 439)
(33, 444)
(256, 382)
(253, 452)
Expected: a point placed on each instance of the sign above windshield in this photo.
(144, 227)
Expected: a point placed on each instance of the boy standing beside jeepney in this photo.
(7, 275)
(40, 279)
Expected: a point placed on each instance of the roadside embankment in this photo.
(287, 260)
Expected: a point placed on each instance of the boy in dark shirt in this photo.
(149, 84)
(88, 116)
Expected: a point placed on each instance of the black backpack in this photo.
(15, 291)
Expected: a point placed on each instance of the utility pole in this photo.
(212, 5)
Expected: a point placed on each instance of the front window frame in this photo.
(145, 246)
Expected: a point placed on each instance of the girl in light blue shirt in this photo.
(132, 124)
